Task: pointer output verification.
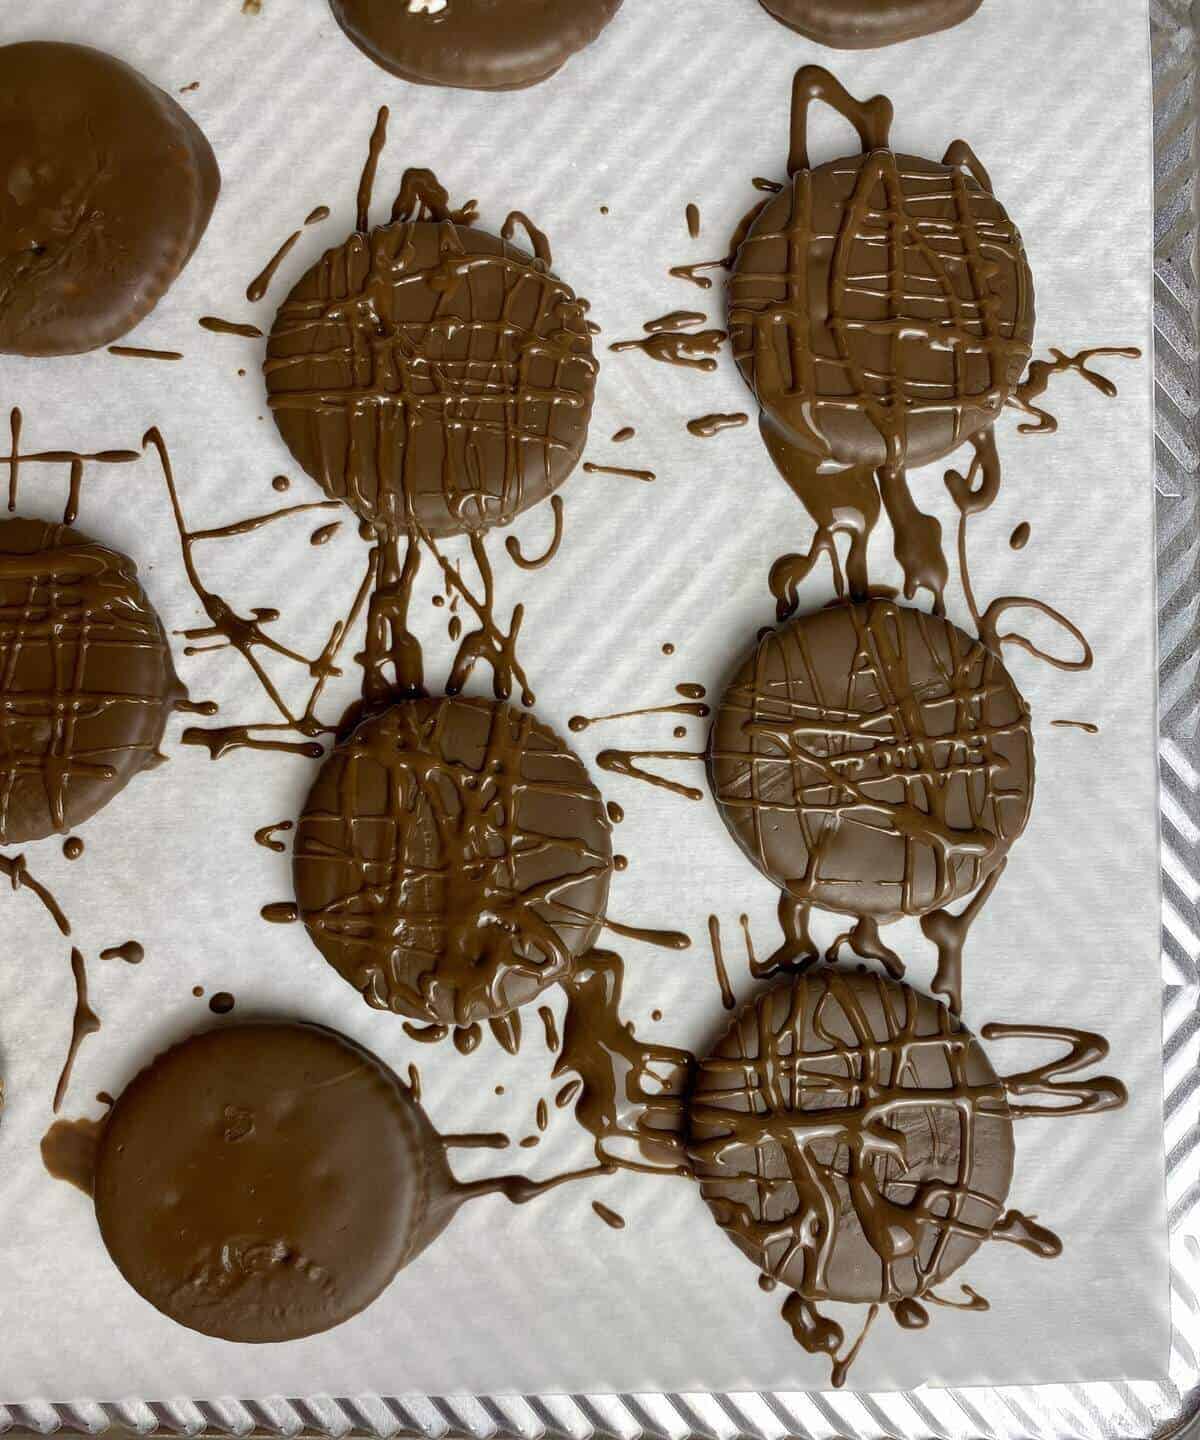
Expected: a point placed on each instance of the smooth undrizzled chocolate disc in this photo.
(452, 859)
(814, 1160)
(873, 759)
(431, 373)
(865, 24)
(264, 1182)
(881, 309)
(86, 680)
(473, 44)
(106, 186)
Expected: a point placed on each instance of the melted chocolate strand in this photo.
(265, 836)
(691, 350)
(1020, 1229)
(366, 185)
(1085, 725)
(1073, 1097)
(728, 998)
(84, 1022)
(707, 426)
(624, 762)
(590, 469)
(15, 868)
(1038, 377)
(138, 352)
(549, 1025)
(578, 723)
(73, 459)
(675, 320)
(230, 327)
(949, 933)
(513, 545)
(261, 283)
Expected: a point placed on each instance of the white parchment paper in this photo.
(682, 100)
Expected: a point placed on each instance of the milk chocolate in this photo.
(266, 1181)
(86, 679)
(452, 860)
(873, 759)
(867, 24)
(473, 44)
(108, 186)
(851, 1138)
(432, 375)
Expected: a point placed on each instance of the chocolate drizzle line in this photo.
(230, 327)
(579, 723)
(692, 216)
(707, 426)
(261, 283)
(591, 469)
(1085, 725)
(550, 1026)
(265, 836)
(17, 872)
(624, 762)
(728, 998)
(513, 545)
(626, 432)
(693, 350)
(84, 1022)
(71, 458)
(138, 352)
(949, 933)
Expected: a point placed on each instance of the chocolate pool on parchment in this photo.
(873, 759)
(473, 44)
(865, 24)
(851, 1138)
(108, 186)
(86, 679)
(266, 1181)
(432, 375)
(452, 860)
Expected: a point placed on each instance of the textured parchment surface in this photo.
(677, 102)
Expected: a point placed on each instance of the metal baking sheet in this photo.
(1098, 1409)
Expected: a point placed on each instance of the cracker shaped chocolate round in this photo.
(873, 760)
(851, 1137)
(473, 44)
(868, 24)
(86, 679)
(452, 860)
(266, 1181)
(108, 186)
(432, 375)
(881, 308)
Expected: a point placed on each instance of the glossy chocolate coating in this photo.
(856, 361)
(86, 679)
(107, 188)
(873, 759)
(432, 374)
(866, 24)
(266, 1181)
(473, 44)
(452, 859)
(817, 1165)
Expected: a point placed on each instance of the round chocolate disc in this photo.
(107, 188)
(432, 375)
(866, 24)
(851, 1137)
(263, 1182)
(881, 308)
(452, 860)
(473, 44)
(86, 679)
(873, 760)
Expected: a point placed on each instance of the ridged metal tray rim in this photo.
(1097, 1411)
